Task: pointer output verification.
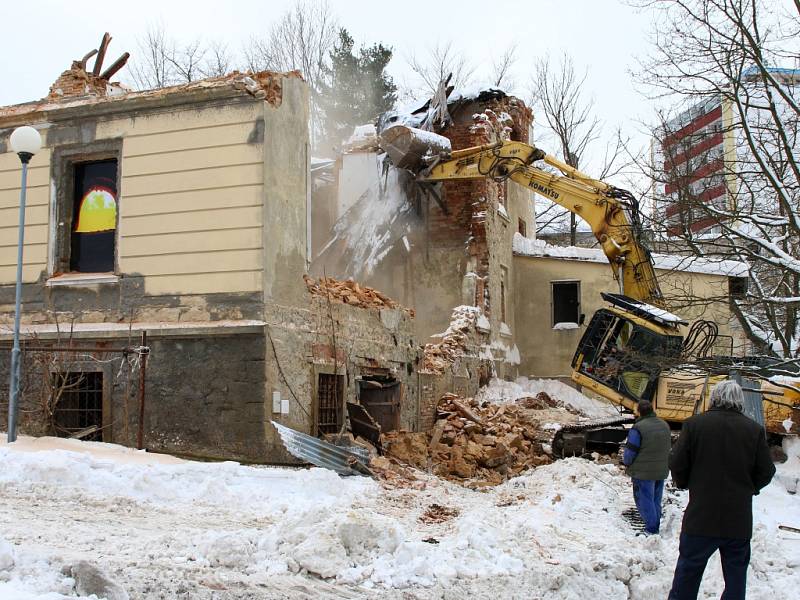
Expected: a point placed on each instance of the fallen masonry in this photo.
(476, 443)
(350, 292)
(438, 356)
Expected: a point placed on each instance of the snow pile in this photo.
(500, 391)
(197, 530)
(24, 576)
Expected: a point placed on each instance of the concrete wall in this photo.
(209, 389)
(547, 352)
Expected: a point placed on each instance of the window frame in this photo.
(63, 163)
(553, 284)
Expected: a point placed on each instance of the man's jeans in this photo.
(647, 494)
(695, 550)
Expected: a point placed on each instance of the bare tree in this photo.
(218, 60)
(441, 61)
(558, 93)
(714, 57)
(151, 68)
(162, 61)
(503, 67)
(302, 40)
(187, 60)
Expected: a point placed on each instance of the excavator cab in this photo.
(624, 350)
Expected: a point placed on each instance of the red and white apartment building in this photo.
(696, 154)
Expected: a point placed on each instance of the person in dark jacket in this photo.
(646, 455)
(723, 459)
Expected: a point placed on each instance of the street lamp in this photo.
(25, 141)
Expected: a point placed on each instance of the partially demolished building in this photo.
(181, 213)
(169, 239)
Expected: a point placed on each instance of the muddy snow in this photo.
(159, 527)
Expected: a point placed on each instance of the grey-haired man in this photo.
(723, 458)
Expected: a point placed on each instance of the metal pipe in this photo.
(142, 371)
(13, 395)
(83, 349)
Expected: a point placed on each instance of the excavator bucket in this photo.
(412, 149)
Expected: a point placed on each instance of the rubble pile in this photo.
(478, 444)
(543, 401)
(440, 355)
(352, 293)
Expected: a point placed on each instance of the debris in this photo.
(362, 423)
(389, 472)
(343, 460)
(409, 148)
(477, 444)
(436, 513)
(438, 356)
(350, 292)
(542, 401)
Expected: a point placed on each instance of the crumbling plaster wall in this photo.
(491, 228)
(337, 338)
(209, 392)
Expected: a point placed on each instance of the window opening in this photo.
(522, 227)
(381, 396)
(94, 217)
(503, 283)
(737, 287)
(330, 394)
(566, 302)
(80, 404)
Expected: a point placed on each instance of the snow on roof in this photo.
(414, 113)
(668, 262)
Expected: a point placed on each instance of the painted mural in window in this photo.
(94, 217)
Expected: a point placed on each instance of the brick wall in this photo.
(77, 82)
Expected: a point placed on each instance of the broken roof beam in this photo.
(115, 66)
(82, 62)
(101, 54)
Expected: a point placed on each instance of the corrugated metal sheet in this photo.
(321, 453)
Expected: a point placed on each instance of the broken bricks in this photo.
(478, 444)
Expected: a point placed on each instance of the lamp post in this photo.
(25, 141)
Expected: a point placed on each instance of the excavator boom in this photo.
(632, 350)
(611, 212)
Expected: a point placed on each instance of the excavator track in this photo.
(601, 434)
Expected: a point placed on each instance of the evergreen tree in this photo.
(358, 89)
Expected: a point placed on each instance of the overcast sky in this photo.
(40, 38)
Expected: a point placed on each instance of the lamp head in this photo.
(25, 141)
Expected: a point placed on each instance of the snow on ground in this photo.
(500, 391)
(165, 529)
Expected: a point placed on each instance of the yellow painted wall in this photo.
(190, 201)
(547, 352)
(36, 216)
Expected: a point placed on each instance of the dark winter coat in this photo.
(650, 459)
(723, 458)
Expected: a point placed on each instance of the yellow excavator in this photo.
(635, 348)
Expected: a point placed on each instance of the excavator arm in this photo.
(611, 212)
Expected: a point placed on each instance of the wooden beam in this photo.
(115, 66)
(86, 57)
(101, 54)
